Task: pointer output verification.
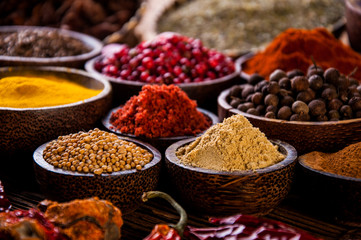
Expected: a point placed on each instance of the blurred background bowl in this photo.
(27, 128)
(76, 61)
(304, 136)
(122, 188)
(353, 23)
(330, 195)
(220, 193)
(205, 93)
(161, 143)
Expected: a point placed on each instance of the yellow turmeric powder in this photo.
(33, 92)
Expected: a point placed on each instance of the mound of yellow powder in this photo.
(33, 92)
(233, 145)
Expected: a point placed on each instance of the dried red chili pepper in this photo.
(164, 231)
(246, 227)
(5, 204)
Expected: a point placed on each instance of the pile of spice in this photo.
(33, 92)
(346, 162)
(40, 43)
(95, 152)
(318, 95)
(160, 111)
(248, 24)
(169, 58)
(295, 48)
(233, 145)
(98, 18)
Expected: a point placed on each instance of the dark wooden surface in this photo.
(24, 193)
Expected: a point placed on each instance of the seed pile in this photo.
(95, 152)
(316, 96)
(40, 43)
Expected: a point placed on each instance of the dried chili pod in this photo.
(245, 226)
(5, 204)
(167, 231)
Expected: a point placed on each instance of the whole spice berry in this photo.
(95, 152)
(300, 107)
(317, 107)
(170, 58)
(299, 83)
(160, 111)
(284, 113)
(331, 75)
(255, 78)
(271, 99)
(315, 82)
(277, 74)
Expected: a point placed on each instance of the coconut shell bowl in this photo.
(330, 195)
(93, 45)
(161, 143)
(122, 188)
(25, 129)
(220, 193)
(203, 92)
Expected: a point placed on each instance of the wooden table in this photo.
(24, 193)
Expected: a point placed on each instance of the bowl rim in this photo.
(89, 66)
(289, 159)
(40, 162)
(106, 123)
(302, 163)
(353, 6)
(221, 100)
(93, 43)
(107, 88)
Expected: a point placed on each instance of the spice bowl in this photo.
(160, 143)
(123, 188)
(204, 93)
(93, 45)
(305, 136)
(27, 128)
(213, 192)
(330, 195)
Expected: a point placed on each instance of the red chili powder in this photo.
(160, 111)
(294, 48)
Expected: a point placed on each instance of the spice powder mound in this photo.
(346, 162)
(160, 111)
(233, 145)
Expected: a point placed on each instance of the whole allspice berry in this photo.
(329, 94)
(271, 108)
(355, 103)
(299, 83)
(235, 91)
(315, 82)
(257, 98)
(331, 75)
(273, 87)
(277, 74)
(335, 104)
(270, 115)
(346, 112)
(287, 101)
(284, 113)
(255, 78)
(295, 72)
(317, 107)
(271, 99)
(304, 96)
(300, 107)
(333, 115)
(235, 102)
(247, 90)
(253, 111)
(285, 83)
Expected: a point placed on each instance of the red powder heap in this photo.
(160, 111)
(293, 49)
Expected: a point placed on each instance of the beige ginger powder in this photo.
(233, 145)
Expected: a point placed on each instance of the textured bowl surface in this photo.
(353, 23)
(331, 195)
(76, 61)
(123, 188)
(205, 93)
(325, 136)
(221, 193)
(26, 128)
(160, 143)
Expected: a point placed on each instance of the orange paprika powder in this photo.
(294, 49)
(160, 111)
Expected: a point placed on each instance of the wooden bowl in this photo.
(123, 188)
(76, 61)
(205, 93)
(220, 193)
(325, 136)
(330, 195)
(161, 143)
(353, 23)
(25, 129)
